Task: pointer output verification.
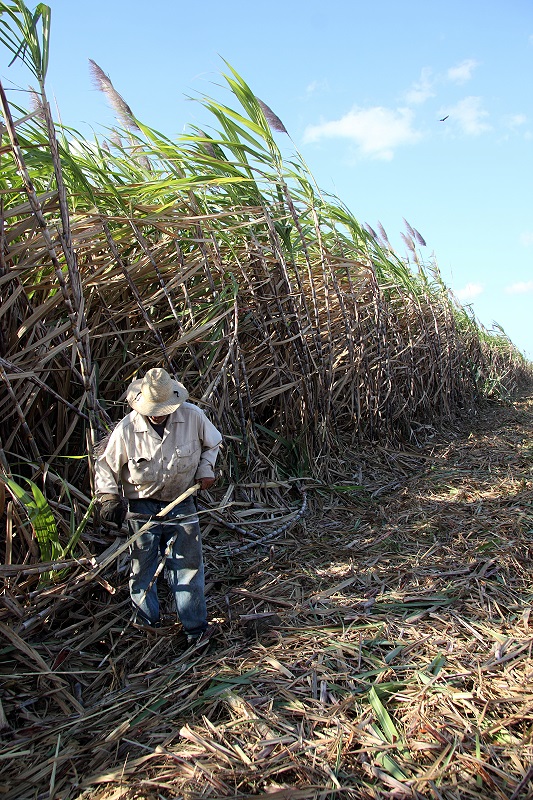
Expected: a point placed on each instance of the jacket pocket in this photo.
(185, 458)
(142, 470)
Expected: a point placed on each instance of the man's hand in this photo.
(206, 483)
(113, 509)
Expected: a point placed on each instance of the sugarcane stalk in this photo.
(268, 536)
(135, 292)
(25, 427)
(75, 314)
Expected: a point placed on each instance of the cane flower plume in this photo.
(273, 120)
(103, 83)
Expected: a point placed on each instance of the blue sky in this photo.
(362, 88)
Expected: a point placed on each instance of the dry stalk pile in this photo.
(384, 651)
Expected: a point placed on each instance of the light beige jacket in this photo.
(145, 465)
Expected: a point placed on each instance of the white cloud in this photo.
(523, 287)
(469, 115)
(462, 72)
(469, 292)
(526, 238)
(422, 90)
(514, 121)
(317, 86)
(376, 131)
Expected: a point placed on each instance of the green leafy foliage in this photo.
(27, 35)
(40, 516)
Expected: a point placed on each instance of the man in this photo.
(160, 449)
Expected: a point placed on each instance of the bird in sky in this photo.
(446, 117)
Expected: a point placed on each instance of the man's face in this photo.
(158, 420)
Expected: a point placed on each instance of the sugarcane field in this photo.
(368, 539)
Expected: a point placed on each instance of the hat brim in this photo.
(143, 406)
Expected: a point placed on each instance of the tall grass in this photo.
(303, 334)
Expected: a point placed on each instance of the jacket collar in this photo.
(141, 424)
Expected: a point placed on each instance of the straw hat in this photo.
(156, 394)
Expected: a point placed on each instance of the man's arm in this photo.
(210, 439)
(113, 508)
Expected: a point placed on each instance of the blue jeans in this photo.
(184, 565)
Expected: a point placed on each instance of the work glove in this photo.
(205, 483)
(113, 509)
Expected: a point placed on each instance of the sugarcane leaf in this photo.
(40, 516)
(385, 721)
